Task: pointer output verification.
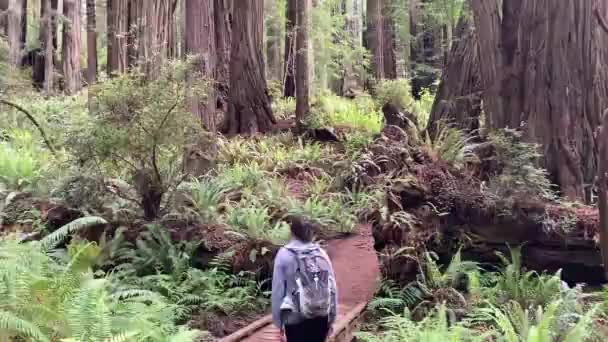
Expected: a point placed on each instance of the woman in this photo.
(304, 294)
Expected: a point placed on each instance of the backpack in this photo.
(313, 291)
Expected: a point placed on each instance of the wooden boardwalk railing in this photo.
(349, 321)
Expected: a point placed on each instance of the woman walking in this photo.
(304, 294)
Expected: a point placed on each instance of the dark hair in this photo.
(302, 228)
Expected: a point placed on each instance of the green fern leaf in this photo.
(21, 327)
(53, 239)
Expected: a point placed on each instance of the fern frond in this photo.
(10, 322)
(56, 237)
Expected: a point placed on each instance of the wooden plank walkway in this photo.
(349, 320)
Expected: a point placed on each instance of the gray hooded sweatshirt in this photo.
(283, 282)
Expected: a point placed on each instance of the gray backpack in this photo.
(313, 292)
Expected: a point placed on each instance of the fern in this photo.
(19, 327)
(58, 236)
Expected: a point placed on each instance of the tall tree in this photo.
(3, 15)
(71, 46)
(151, 22)
(458, 101)
(389, 40)
(550, 78)
(602, 184)
(303, 75)
(374, 37)
(91, 42)
(249, 110)
(48, 16)
(201, 43)
(274, 36)
(23, 36)
(290, 49)
(117, 30)
(223, 39)
(13, 33)
(354, 27)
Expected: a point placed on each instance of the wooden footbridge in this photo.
(349, 321)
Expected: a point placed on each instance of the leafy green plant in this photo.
(450, 144)
(529, 289)
(327, 212)
(434, 328)
(331, 110)
(256, 222)
(520, 173)
(47, 299)
(138, 129)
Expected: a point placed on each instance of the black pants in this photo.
(312, 330)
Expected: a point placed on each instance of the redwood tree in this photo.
(389, 41)
(249, 110)
(91, 42)
(200, 42)
(458, 101)
(117, 22)
(290, 49)
(273, 42)
(71, 46)
(303, 75)
(549, 78)
(223, 35)
(13, 31)
(375, 38)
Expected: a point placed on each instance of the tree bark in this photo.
(549, 78)
(91, 42)
(290, 49)
(200, 42)
(389, 42)
(117, 22)
(602, 203)
(3, 16)
(152, 23)
(487, 23)
(458, 99)
(273, 44)
(223, 39)
(13, 29)
(249, 110)
(71, 46)
(49, 52)
(375, 37)
(303, 75)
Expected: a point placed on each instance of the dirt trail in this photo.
(356, 265)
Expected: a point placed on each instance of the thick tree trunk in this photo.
(374, 37)
(152, 21)
(549, 79)
(602, 203)
(223, 39)
(274, 36)
(13, 29)
(71, 46)
(200, 42)
(487, 15)
(290, 49)
(458, 100)
(117, 22)
(91, 42)
(249, 110)
(303, 76)
(389, 42)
